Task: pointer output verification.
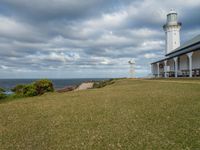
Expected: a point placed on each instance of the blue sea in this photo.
(7, 84)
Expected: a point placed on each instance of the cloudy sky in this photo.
(86, 38)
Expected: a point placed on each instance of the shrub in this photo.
(36, 88)
(30, 90)
(100, 84)
(43, 86)
(2, 94)
(18, 89)
(2, 90)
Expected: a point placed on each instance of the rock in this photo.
(85, 86)
(66, 89)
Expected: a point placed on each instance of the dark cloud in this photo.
(46, 10)
(190, 17)
(91, 38)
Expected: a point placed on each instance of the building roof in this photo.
(191, 45)
(187, 44)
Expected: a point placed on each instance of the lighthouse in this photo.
(172, 32)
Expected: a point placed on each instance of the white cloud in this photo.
(112, 20)
(10, 27)
(150, 55)
(4, 67)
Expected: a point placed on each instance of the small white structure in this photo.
(179, 61)
(132, 68)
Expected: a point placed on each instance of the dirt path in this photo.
(84, 86)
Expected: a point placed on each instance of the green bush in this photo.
(18, 89)
(43, 86)
(36, 88)
(2, 94)
(25, 90)
(100, 84)
(30, 90)
(2, 90)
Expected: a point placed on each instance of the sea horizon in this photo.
(65, 78)
(58, 83)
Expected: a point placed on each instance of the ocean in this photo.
(7, 84)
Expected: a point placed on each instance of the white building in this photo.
(179, 61)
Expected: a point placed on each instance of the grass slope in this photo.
(130, 114)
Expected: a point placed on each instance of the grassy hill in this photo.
(130, 114)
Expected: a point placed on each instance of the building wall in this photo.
(154, 69)
(171, 64)
(162, 69)
(183, 62)
(196, 60)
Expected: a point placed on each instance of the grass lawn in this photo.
(130, 114)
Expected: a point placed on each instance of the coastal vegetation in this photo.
(129, 114)
(36, 88)
(40, 87)
(100, 84)
(2, 94)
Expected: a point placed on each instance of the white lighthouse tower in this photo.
(172, 32)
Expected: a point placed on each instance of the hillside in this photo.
(130, 114)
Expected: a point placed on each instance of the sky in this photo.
(87, 38)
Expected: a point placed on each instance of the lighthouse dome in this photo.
(172, 12)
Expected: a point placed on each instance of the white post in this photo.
(158, 69)
(190, 62)
(165, 68)
(176, 66)
(152, 70)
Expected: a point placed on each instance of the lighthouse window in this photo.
(173, 18)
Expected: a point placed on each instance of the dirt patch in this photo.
(85, 86)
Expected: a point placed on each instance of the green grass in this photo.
(129, 114)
